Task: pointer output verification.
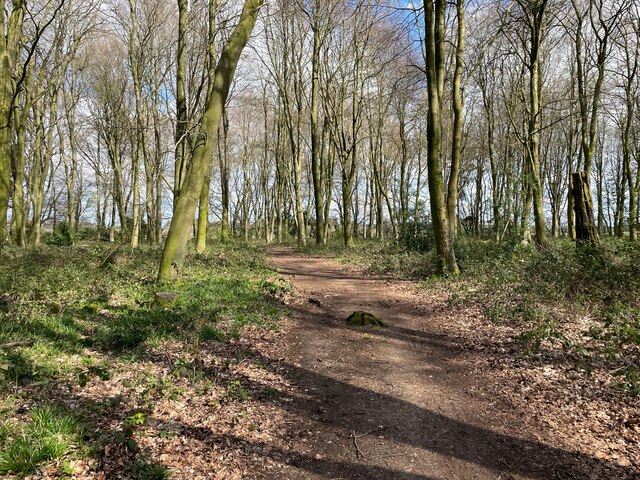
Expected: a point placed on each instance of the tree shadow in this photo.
(328, 468)
(336, 405)
(339, 405)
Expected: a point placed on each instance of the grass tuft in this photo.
(50, 434)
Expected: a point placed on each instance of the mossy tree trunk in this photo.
(19, 205)
(203, 200)
(9, 47)
(458, 120)
(175, 247)
(203, 216)
(434, 14)
(586, 229)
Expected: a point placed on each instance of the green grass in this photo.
(91, 319)
(65, 300)
(49, 434)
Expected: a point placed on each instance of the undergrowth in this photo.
(89, 310)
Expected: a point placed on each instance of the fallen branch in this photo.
(355, 438)
(8, 346)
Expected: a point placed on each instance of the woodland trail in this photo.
(408, 393)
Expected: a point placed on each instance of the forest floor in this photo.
(253, 373)
(425, 398)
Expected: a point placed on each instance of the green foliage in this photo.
(537, 290)
(135, 420)
(533, 338)
(62, 236)
(150, 471)
(65, 301)
(417, 237)
(236, 391)
(90, 320)
(144, 470)
(210, 333)
(50, 434)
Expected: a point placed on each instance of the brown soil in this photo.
(403, 402)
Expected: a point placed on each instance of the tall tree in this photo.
(220, 79)
(458, 121)
(603, 18)
(534, 15)
(9, 49)
(434, 40)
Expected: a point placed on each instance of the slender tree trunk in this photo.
(9, 48)
(328, 187)
(225, 174)
(203, 216)
(182, 127)
(176, 244)
(42, 166)
(533, 145)
(458, 120)
(316, 167)
(347, 194)
(434, 13)
(19, 204)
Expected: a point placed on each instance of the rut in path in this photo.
(398, 402)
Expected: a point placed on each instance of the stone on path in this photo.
(364, 319)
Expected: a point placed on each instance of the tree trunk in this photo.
(316, 167)
(434, 44)
(225, 174)
(19, 204)
(586, 230)
(533, 146)
(175, 248)
(9, 47)
(458, 120)
(203, 216)
(181, 101)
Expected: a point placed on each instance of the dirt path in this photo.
(407, 392)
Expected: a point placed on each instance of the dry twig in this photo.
(9, 346)
(355, 438)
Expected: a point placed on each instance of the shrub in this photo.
(62, 235)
